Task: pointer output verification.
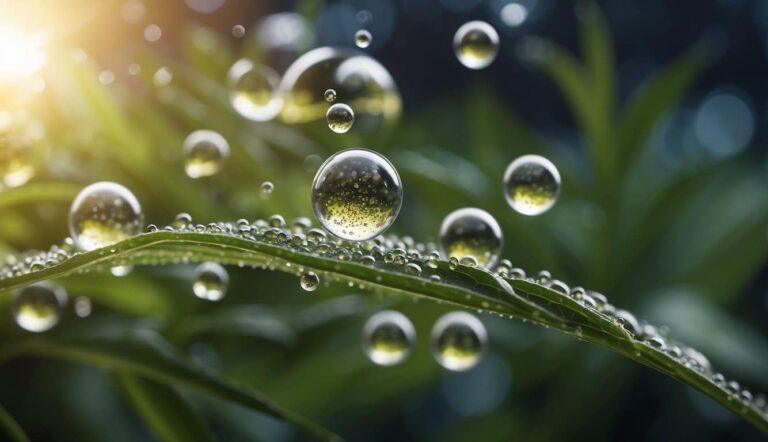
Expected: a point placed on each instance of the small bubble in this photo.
(252, 90)
(458, 341)
(531, 185)
(330, 95)
(102, 214)
(309, 281)
(211, 281)
(363, 38)
(471, 232)
(388, 338)
(476, 44)
(238, 31)
(204, 153)
(38, 307)
(340, 118)
(266, 189)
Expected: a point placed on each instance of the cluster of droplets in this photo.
(458, 339)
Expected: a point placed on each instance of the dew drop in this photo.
(458, 341)
(330, 95)
(252, 90)
(211, 281)
(356, 194)
(238, 31)
(340, 118)
(123, 270)
(412, 269)
(531, 185)
(38, 307)
(471, 232)
(363, 38)
(204, 153)
(388, 338)
(476, 44)
(102, 214)
(309, 281)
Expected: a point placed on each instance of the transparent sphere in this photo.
(363, 38)
(38, 307)
(340, 118)
(471, 232)
(358, 80)
(253, 90)
(18, 136)
(102, 214)
(211, 281)
(204, 153)
(356, 194)
(458, 341)
(476, 44)
(330, 95)
(531, 185)
(388, 338)
(309, 281)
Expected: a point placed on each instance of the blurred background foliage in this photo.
(653, 112)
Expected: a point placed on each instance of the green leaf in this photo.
(144, 353)
(164, 411)
(9, 428)
(469, 287)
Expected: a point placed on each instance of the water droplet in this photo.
(476, 44)
(204, 152)
(628, 321)
(266, 189)
(340, 118)
(330, 95)
(468, 261)
(238, 31)
(102, 214)
(531, 185)
(471, 232)
(211, 281)
(363, 38)
(309, 281)
(123, 270)
(413, 269)
(17, 154)
(363, 83)
(38, 307)
(433, 260)
(357, 194)
(252, 90)
(559, 286)
(458, 341)
(83, 307)
(388, 338)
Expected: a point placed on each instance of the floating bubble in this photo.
(83, 307)
(238, 31)
(340, 118)
(309, 281)
(471, 232)
(267, 188)
(363, 38)
(476, 44)
(102, 214)
(357, 194)
(330, 95)
(204, 152)
(152, 33)
(38, 307)
(388, 338)
(363, 83)
(458, 341)
(211, 281)
(531, 185)
(252, 90)
(17, 153)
